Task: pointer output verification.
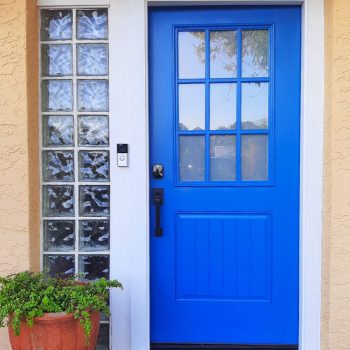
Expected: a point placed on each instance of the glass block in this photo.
(57, 95)
(223, 54)
(93, 95)
(255, 53)
(56, 25)
(58, 200)
(223, 106)
(92, 59)
(92, 24)
(94, 200)
(191, 56)
(59, 235)
(93, 130)
(254, 158)
(103, 337)
(56, 60)
(192, 159)
(94, 235)
(58, 130)
(191, 106)
(222, 158)
(93, 165)
(255, 105)
(94, 267)
(58, 165)
(59, 265)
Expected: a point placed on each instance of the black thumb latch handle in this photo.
(158, 200)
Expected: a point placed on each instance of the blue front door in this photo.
(224, 148)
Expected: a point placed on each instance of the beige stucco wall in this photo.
(336, 258)
(18, 139)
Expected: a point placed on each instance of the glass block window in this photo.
(75, 153)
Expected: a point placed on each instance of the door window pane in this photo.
(223, 54)
(191, 54)
(255, 53)
(223, 106)
(255, 105)
(223, 158)
(254, 157)
(192, 158)
(191, 106)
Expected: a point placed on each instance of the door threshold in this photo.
(191, 346)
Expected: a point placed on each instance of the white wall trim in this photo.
(130, 186)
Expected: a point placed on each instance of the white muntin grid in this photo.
(76, 148)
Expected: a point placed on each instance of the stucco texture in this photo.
(18, 86)
(336, 257)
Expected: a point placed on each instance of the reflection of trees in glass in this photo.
(254, 48)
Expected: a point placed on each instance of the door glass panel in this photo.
(223, 158)
(255, 49)
(57, 60)
(191, 54)
(255, 105)
(254, 157)
(191, 106)
(59, 235)
(222, 106)
(192, 158)
(223, 54)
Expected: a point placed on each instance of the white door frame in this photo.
(130, 186)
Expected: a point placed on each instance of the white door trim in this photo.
(130, 186)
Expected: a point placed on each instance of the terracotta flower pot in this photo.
(55, 332)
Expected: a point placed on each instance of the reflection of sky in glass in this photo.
(191, 64)
(222, 106)
(191, 106)
(255, 105)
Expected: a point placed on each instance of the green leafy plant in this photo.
(26, 295)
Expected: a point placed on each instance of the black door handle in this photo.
(158, 200)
